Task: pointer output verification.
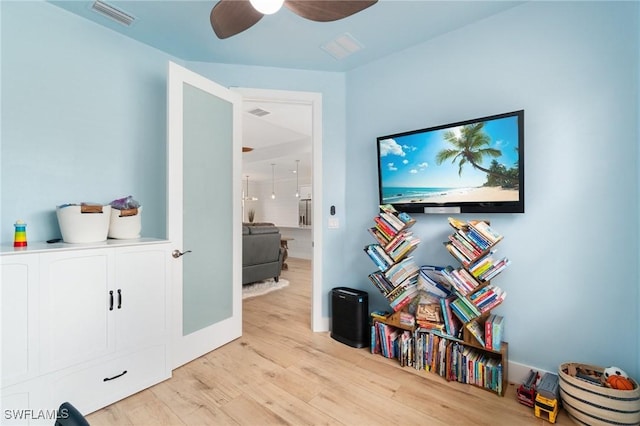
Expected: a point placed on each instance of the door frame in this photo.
(315, 101)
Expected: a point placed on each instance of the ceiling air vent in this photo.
(112, 13)
(259, 112)
(342, 46)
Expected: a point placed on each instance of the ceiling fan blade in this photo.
(327, 10)
(230, 17)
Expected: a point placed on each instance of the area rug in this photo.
(263, 287)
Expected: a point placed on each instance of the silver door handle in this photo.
(177, 253)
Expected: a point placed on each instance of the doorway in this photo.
(264, 99)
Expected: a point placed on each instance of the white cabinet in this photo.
(19, 280)
(86, 325)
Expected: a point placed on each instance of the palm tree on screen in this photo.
(471, 146)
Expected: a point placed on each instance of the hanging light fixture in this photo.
(297, 180)
(273, 184)
(246, 196)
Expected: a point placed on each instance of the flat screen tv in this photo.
(473, 166)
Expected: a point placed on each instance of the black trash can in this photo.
(350, 316)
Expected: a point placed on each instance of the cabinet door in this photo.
(26, 404)
(19, 278)
(76, 308)
(141, 288)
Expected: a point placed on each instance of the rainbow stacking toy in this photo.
(20, 238)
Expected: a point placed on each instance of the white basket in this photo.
(125, 227)
(598, 405)
(78, 227)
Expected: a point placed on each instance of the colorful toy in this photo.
(546, 403)
(20, 236)
(619, 382)
(614, 371)
(526, 392)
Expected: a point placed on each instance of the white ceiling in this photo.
(285, 40)
(280, 137)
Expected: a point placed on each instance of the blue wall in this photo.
(83, 118)
(573, 283)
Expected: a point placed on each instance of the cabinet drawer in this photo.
(93, 388)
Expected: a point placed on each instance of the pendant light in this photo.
(273, 184)
(246, 194)
(297, 184)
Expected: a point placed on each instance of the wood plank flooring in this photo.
(280, 373)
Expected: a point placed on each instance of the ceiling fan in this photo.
(231, 17)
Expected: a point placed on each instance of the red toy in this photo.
(527, 390)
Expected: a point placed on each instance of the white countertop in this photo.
(42, 246)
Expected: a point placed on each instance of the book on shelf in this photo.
(488, 331)
(387, 230)
(476, 331)
(404, 249)
(457, 223)
(488, 298)
(478, 239)
(381, 282)
(392, 220)
(456, 282)
(402, 270)
(396, 241)
(452, 322)
(406, 219)
(380, 315)
(499, 267)
(430, 312)
(378, 236)
(381, 262)
(432, 280)
(456, 253)
(486, 231)
(497, 327)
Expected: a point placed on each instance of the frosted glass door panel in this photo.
(207, 220)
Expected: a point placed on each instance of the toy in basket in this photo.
(588, 400)
(126, 218)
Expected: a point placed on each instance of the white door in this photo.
(204, 213)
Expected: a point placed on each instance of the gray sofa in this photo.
(262, 255)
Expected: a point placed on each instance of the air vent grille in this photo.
(342, 46)
(113, 13)
(259, 112)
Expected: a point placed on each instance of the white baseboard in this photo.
(519, 372)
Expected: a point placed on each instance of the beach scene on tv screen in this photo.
(476, 162)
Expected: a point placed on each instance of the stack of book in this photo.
(472, 244)
(430, 316)
(397, 274)
(488, 267)
(488, 331)
(488, 298)
(432, 280)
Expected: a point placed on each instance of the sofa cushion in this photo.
(259, 230)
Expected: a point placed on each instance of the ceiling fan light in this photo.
(267, 7)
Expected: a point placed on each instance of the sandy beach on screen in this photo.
(488, 193)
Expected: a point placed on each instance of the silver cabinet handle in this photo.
(177, 253)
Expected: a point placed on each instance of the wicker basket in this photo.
(594, 405)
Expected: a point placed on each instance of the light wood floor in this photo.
(281, 373)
